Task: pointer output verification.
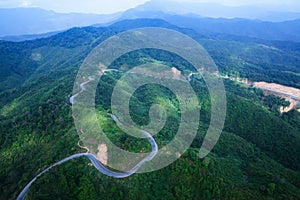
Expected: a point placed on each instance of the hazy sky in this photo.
(111, 6)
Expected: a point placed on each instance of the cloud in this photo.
(244, 2)
(16, 3)
(88, 6)
(111, 6)
(25, 4)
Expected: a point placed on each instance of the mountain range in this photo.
(265, 23)
(28, 21)
(257, 155)
(214, 10)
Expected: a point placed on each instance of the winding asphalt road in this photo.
(97, 164)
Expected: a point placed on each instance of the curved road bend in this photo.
(97, 164)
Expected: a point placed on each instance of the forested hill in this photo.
(19, 60)
(257, 157)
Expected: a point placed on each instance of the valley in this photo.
(256, 157)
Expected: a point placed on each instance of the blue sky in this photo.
(111, 6)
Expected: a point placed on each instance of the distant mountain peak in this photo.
(214, 10)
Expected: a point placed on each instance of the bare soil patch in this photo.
(288, 93)
(278, 88)
(102, 153)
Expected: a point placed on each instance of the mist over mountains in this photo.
(23, 23)
(215, 10)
